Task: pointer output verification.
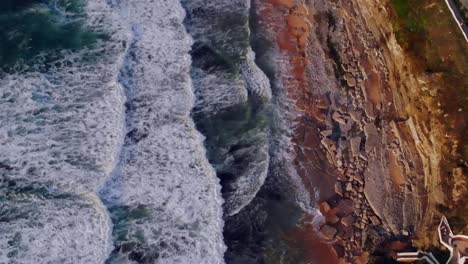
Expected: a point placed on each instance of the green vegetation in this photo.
(411, 32)
(33, 27)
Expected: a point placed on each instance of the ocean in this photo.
(134, 132)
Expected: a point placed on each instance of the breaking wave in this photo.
(100, 160)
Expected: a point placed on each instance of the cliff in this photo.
(368, 130)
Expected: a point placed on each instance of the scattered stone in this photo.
(342, 261)
(328, 232)
(375, 220)
(404, 233)
(349, 187)
(333, 219)
(339, 118)
(347, 220)
(355, 145)
(364, 258)
(355, 115)
(359, 179)
(339, 163)
(338, 188)
(326, 133)
(340, 251)
(350, 80)
(324, 207)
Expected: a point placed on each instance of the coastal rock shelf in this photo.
(361, 136)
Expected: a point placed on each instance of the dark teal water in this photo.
(31, 27)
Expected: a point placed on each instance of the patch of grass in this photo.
(32, 27)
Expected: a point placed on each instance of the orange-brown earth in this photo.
(365, 134)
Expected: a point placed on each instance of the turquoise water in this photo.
(31, 27)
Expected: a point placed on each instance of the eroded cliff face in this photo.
(363, 132)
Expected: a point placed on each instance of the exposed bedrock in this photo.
(232, 97)
(349, 96)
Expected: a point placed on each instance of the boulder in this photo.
(328, 232)
(324, 207)
(339, 188)
(347, 220)
(375, 220)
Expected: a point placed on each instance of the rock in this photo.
(349, 186)
(339, 250)
(404, 233)
(347, 220)
(363, 259)
(326, 133)
(328, 232)
(359, 212)
(333, 219)
(356, 115)
(342, 261)
(359, 179)
(339, 163)
(350, 80)
(375, 220)
(338, 188)
(324, 207)
(355, 143)
(339, 118)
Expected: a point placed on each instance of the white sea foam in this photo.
(163, 168)
(282, 159)
(61, 129)
(216, 92)
(225, 78)
(64, 129)
(256, 79)
(63, 126)
(69, 229)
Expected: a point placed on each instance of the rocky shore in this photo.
(367, 137)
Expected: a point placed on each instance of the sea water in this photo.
(99, 158)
